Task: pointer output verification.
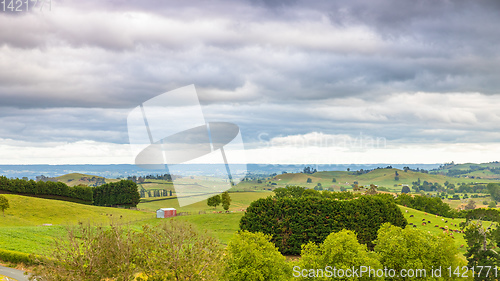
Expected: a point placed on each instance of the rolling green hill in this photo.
(473, 171)
(380, 177)
(76, 179)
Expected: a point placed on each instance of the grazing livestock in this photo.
(424, 223)
(428, 221)
(411, 216)
(446, 221)
(414, 226)
(436, 225)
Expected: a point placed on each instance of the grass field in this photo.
(419, 217)
(240, 200)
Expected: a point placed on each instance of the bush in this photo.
(412, 248)
(250, 256)
(169, 251)
(17, 257)
(295, 221)
(340, 250)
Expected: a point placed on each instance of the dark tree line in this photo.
(119, 193)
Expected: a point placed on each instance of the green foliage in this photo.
(295, 221)
(334, 180)
(17, 257)
(175, 251)
(405, 189)
(411, 248)
(169, 251)
(226, 200)
(214, 201)
(482, 240)
(289, 191)
(340, 250)
(433, 205)
(492, 204)
(124, 193)
(250, 256)
(4, 204)
(309, 180)
(494, 190)
(46, 188)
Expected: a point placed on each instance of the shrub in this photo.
(412, 248)
(340, 250)
(251, 256)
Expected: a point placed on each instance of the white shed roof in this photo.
(167, 209)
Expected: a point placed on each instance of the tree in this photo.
(214, 201)
(340, 249)
(481, 240)
(492, 204)
(226, 200)
(309, 180)
(405, 189)
(4, 204)
(471, 205)
(251, 256)
(372, 190)
(406, 248)
(494, 190)
(334, 180)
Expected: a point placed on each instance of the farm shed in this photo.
(166, 213)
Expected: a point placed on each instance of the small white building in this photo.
(166, 213)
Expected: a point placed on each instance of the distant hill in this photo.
(77, 178)
(381, 177)
(474, 171)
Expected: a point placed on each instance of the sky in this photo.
(326, 82)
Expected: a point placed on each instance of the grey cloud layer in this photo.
(276, 67)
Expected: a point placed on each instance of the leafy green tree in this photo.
(289, 191)
(492, 204)
(4, 204)
(226, 200)
(214, 201)
(309, 180)
(334, 180)
(494, 190)
(251, 256)
(482, 238)
(405, 189)
(406, 248)
(340, 249)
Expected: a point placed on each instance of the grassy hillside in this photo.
(380, 177)
(485, 171)
(31, 224)
(76, 179)
(240, 200)
(32, 211)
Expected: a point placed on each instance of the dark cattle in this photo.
(428, 221)
(446, 221)
(414, 226)
(410, 223)
(411, 216)
(436, 225)
(423, 219)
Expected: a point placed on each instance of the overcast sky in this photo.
(385, 81)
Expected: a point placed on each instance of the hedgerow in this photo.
(293, 222)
